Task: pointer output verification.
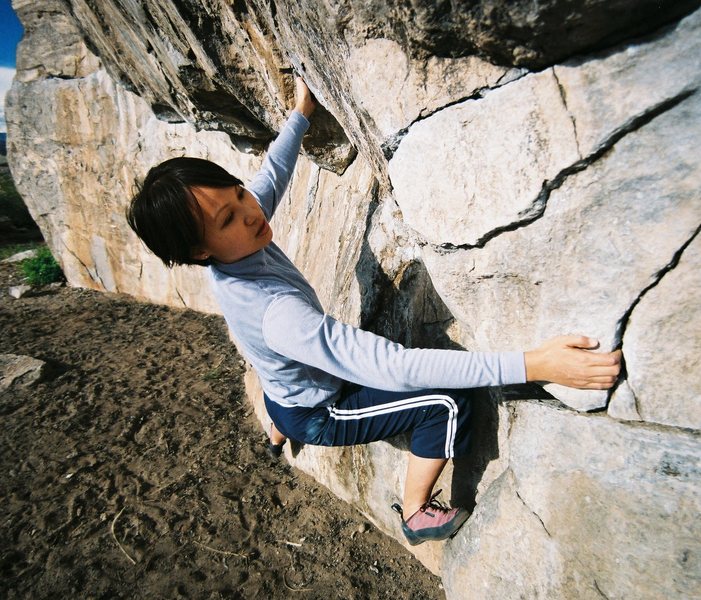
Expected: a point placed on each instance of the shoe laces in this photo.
(434, 504)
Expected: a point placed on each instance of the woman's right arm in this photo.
(297, 330)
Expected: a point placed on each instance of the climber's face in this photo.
(234, 224)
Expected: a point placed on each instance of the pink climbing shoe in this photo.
(433, 521)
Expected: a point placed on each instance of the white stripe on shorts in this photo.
(408, 403)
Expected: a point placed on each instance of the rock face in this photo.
(630, 500)
(485, 178)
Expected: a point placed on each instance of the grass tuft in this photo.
(42, 269)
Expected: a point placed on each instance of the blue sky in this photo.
(10, 34)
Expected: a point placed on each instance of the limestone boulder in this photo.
(505, 552)
(518, 33)
(605, 95)
(638, 206)
(459, 182)
(20, 256)
(448, 196)
(481, 182)
(229, 67)
(95, 139)
(618, 512)
(380, 70)
(52, 45)
(19, 291)
(216, 67)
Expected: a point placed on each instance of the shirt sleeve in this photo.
(295, 329)
(269, 184)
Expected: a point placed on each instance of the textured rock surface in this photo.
(667, 317)
(587, 222)
(217, 67)
(502, 532)
(633, 496)
(463, 186)
(16, 369)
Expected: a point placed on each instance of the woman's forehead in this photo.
(212, 200)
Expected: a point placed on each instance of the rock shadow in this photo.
(408, 310)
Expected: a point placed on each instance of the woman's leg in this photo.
(421, 476)
(439, 423)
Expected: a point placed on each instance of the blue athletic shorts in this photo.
(439, 420)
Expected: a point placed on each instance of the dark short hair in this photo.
(165, 214)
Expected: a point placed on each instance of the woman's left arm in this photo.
(270, 183)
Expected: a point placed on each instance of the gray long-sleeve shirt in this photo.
(303, 356)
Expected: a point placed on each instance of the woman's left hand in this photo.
(305, 101)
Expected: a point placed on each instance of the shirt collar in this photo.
(250, 265)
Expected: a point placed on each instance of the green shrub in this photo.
(42, 269)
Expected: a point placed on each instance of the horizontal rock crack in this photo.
(537, 208)
(391, 145)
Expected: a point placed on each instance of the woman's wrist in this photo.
(533, 366)
(305, 109)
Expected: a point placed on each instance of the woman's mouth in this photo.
(263, 229)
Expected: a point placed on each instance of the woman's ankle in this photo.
(409, 509)
(276, 438)
(422, 474)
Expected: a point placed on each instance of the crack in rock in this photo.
(598, 589)
(391, 145)
(312, 189)
(537, 208)
(670, 266)
(534, 513)
(177, 291)
(563, 96)
(625, 318)
(95, 277)
(512, 420)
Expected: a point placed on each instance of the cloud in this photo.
(6, 75)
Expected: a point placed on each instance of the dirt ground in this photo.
(135, 469)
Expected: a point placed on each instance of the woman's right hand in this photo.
(569, 360)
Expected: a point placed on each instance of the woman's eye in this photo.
(228, 219)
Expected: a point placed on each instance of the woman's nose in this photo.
(249, 220)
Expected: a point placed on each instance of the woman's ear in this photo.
(201, 255)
